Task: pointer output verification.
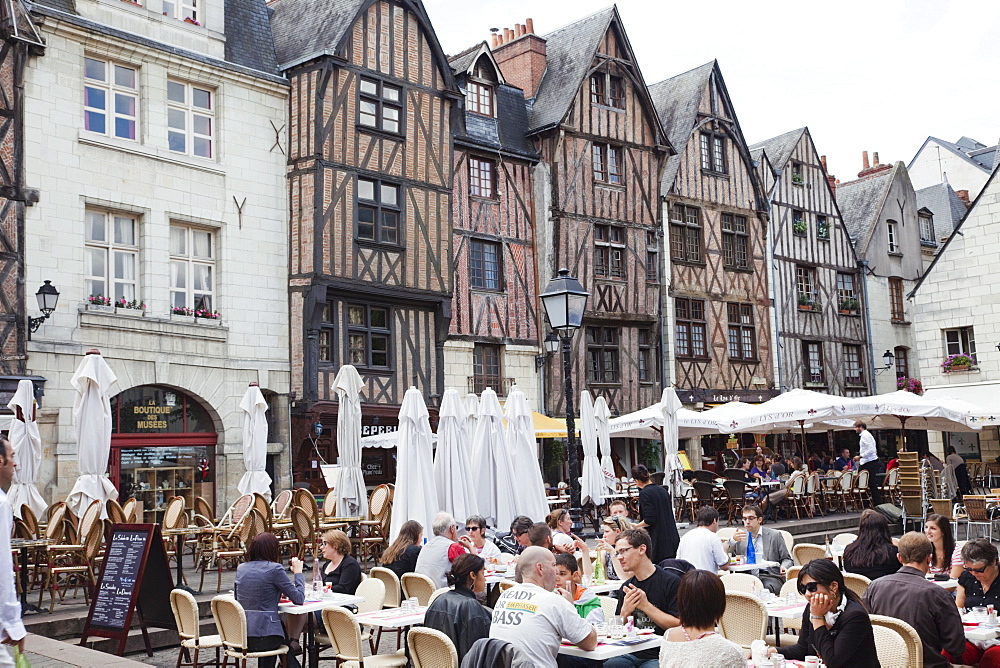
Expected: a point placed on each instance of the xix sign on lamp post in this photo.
(564, 301)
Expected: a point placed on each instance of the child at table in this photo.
(587, 604)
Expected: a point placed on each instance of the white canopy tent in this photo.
(92, 413)
(255, 479)
(648, 423)
(27, 445)
(529, 499)
(452, 470)
(592, 487)
(352, 497)
(601, 416)
(494, 471)
(416, 495)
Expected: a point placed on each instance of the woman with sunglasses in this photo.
(485, 548)
(873, 554)
(947, 556)
(979, 586)
(835, 624)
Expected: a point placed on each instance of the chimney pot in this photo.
(518, 30)
(508, 34)
(963, 195)
(494, 40)
(875, 158)
(529, 25)
(864, 160)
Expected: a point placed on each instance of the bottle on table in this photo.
(599, 577)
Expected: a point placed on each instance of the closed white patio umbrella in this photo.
(352, 498)
(256, 479)
(494, 471)
(601, 417)
(471, 406)
(416, 495)
(529, 499)
(92, 414)
(592, 481)
(452, 471)
(669, 406)
(27, 446)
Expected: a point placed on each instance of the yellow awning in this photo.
(546, 427)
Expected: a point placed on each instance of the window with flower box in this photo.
(182, 10)
(112, 248)
(368, 333)
(799, 226)
(805, 285)
(822, 228)
(847, 298)
(110, 98)
(190, 119)
(690, 327)
(192, 268)
(742, 333)
(380, 105)
(959, 340)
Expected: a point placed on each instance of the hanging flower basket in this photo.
(910, 385)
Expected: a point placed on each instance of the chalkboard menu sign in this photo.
(134, 575)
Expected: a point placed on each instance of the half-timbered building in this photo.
(493, 338)
(819, 303)
(370, 180)
(880, 212)
(715, 218)
(602, 149)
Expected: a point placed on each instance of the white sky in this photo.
(875, 75)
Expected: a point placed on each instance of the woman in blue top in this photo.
(759, 469)
(260, 582)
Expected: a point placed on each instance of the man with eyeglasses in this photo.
(921, 603)
(650, 596)
(438, 553)
(759, 543)
(485, 548)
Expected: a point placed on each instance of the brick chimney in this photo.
(864, 160)
(964, 196)
(521, 55)
(875, 168)
(830, 178)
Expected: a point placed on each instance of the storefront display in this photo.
(162, 445)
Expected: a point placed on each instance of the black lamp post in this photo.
(887, 359)
(564, 301)
(48, 298)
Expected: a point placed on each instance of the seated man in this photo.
(650, 596)
(438, 553)
(701, 546)
(540, 535)
(844, 462)
(619, 509)
(766, 545)
(908, 595)
(535, 615)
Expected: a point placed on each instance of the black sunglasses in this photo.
(976, 570)
(473, 528)
(810, 587)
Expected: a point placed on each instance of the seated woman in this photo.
(701, 600)
(759, 469)
(341, 572)
(835, 624)
(457, 613)
(947, 557)
(401, 556)
(979, 586)
(563, 540)
(612, 527)
(873, 553)
(260, 582)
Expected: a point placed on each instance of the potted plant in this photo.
(806, 302)
(910, 385)
(182, 314)
(194, 22)
(797, 178)
(207, 316)
(799, 227)
(957, 362)
(849, 305)
(134, 308)
(100, 303)
(823, 229)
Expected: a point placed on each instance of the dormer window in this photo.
(479, 98)
(607, 90)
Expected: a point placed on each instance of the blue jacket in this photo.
(259, 585)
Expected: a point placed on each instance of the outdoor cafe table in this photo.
(179, 533)
(779, 610)
(312, 605)
(24, 545)
(612, 648)
(393, 618)
(760, 565)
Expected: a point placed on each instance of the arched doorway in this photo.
(162, 445)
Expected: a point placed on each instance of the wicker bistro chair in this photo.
(185, 609)
(230, 550)
(261, 505)
(792, 574)
(305, 533)
(946, 508)
(375, 531)
(281, 506)
(744, 620)
(393, 597)
(830, 492)
(914, 647)
(975, 508)
(814, 493)
(891, 648)
(231, 622)
(890, 487)
(737, 491)
(71, 566)
(859, 491)
(844, 491)
(429, 648)
(29, 519)
(304, 499)
(343, 630)
(797, 498)
(857, 583)
(704, 476)
(844, 539)
(420, 586)
(130, 509)
(742, 582)
(803, 553)
(204, 508)
(789, 623)
(115, 512)
(705, 494)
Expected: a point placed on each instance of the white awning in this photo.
(986, 396)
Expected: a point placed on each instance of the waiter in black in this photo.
(657, 516)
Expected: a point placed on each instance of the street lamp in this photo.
(887, 359)
(47, 297)
(564, 301)
(551, 346)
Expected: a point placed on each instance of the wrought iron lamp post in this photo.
(48, 298)
(564, 301)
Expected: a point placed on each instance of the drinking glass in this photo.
(414, 604)
(617, 631)
(778, 660)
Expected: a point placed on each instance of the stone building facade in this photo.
(154, 136)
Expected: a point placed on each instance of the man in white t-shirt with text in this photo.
(701, 546)
(536, 615)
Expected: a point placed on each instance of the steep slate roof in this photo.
(569, 53)
(506, 132)
(944, 203)
(974, 152)
(861, 201)
(248, 35)
(304, 28)
(68, 6)
(463, 61)
(779, 149)
(676, 103)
